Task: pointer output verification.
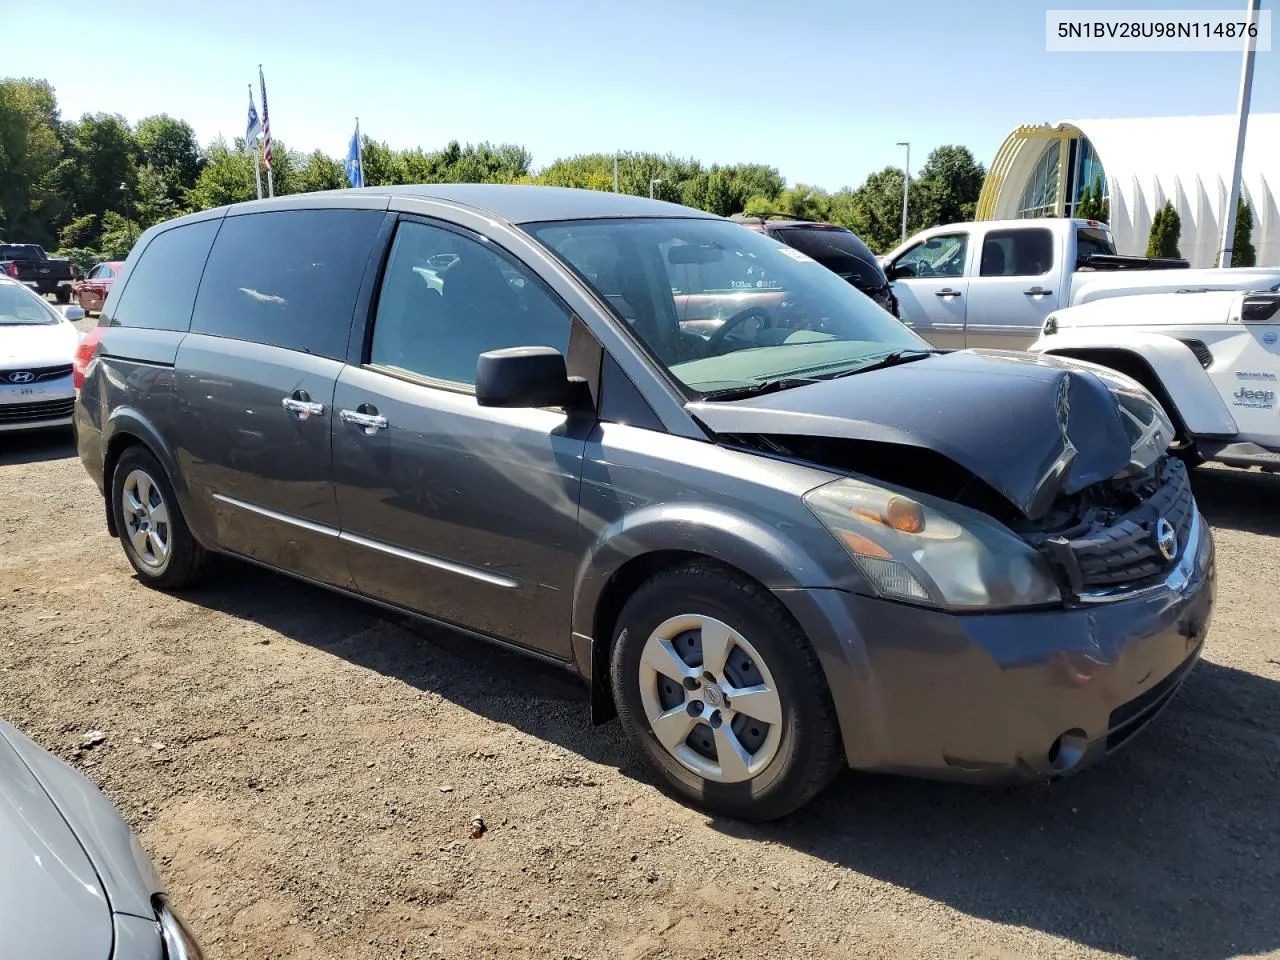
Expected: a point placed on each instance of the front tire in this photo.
(720, 689)
(152, 530)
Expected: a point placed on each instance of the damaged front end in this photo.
(1040, 483)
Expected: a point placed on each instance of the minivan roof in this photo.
(514, 203)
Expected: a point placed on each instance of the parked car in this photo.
(28, 263)
(77, 884)
(37, 346)
(992, 284)
(91, 292)
(800, 540)
(837, 248)
(1211, 357)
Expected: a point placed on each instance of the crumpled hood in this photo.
(51, 903)
(1032, 427)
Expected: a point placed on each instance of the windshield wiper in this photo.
(772, 385)
(889, 360)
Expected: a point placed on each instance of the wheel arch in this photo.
(628, 555)
(1164, 365)
(127, 428)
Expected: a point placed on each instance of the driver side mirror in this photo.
(527, 377)
(73, 312)
(899, 271)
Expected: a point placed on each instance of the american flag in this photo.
(266, 122)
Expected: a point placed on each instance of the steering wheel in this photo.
(716, 342)
(925, 269)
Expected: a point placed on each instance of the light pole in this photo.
(652, 184)
(906, 186)
(1242, 124)
(615, 173)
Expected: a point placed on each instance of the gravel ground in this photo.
(304, 771)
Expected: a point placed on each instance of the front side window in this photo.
(1017, 253)
(939, 256)
(447, 298)
(161, 288)
(802, 322)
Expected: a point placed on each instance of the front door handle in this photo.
(302, 406)
(946, 292)
(367, 418)
(1037, 292)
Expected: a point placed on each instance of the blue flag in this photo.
(254, 128)
(355, 161)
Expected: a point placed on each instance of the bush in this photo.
(1166, 230)
(1242, 252)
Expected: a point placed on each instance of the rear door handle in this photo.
(302, 408)
(946, 292)
(366, 418)
(1037, 292)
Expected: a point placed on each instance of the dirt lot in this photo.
(304, 772)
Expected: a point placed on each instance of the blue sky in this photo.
(821, 89)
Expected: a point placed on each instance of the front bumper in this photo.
(1006, 696)
(36, 406)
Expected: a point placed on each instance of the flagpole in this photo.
(271, 186)
(360, 154)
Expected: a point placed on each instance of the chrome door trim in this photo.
(493, 579)
(319, 528)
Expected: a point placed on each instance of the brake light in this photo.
(84, 356)
(13, 270)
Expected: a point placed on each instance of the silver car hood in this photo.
(51, 901)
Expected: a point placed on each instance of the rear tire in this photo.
(715, 662)
(152, 530)
(62, 295)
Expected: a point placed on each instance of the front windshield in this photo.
(723, 308)
(19, 306)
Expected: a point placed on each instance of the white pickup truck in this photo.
(993, 283)
(1212, 359)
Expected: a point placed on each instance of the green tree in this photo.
(118, 236)
(226, 177)
(1242, 252)
(153, 203)
(320, 172)
(30, 151)
(801, 201)
(1093, 205)
(77, 232)
(947, 188)
(874, 210)
(169, 148)
(1166, 230)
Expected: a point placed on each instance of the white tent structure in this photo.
(1042, 171)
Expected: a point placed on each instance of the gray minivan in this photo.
(799, 540)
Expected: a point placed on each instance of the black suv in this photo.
(837, 248)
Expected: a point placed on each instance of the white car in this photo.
(1211, 357)
(37, 349)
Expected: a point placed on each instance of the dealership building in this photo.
(1042, 171)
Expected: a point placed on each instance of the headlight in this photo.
(924, 551)
(179, 942)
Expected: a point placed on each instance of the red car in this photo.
(91, 292)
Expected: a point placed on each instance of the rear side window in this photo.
(1017, 253)
(161, 288)
(287, 279)
(840, 251)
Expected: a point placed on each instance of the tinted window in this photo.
(287, 279)
(939, 256)
(1017, 253)
(20, 251)
(447, 298)
(1090, 240)
(840, 251)
(162, 285)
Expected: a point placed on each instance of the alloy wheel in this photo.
(146, 521)
(710, 699)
